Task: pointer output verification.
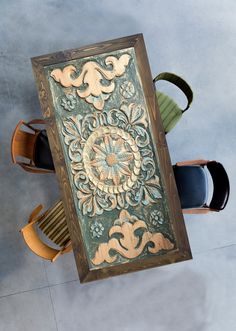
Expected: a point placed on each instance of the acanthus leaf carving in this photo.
(89, 82)
(111, 167)
(130, 245)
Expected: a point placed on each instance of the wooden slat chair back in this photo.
(23, 145)
(52, 224)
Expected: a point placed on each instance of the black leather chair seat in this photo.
(192, 185)
(43, 157)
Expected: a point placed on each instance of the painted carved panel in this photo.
(114, 172)
(111, 158)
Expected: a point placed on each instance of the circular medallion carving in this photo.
(111, 159)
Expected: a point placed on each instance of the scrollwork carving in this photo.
(89, 82)
(130, 245)
(110, 161)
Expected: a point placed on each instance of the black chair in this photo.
(30, 148)
(43, 157)
(192, 185)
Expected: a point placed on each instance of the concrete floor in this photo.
(196, 39)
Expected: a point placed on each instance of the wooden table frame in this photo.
(182, 249)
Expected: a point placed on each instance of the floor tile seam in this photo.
(22, 292)
(214, 248)
(75, 280)
(50, 295)
(53, 308)
(63, 283)
(37, 288)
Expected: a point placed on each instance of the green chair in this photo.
(171, 113)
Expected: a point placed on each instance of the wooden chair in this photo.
(33, 146)
(192, 185)
(171, 113)
(52, 224)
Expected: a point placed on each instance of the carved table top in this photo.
(111, 158)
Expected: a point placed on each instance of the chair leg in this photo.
(67, 249)
(56, 256)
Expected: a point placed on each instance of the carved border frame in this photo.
(182, 251)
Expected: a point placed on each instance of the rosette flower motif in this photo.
(156, 218)
(68, 102)
(96, 229)
(112, 159)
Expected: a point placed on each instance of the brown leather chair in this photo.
(31, 144)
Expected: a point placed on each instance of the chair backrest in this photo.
(52, 223)
(23, 145)
(170, 112)
(221, 185)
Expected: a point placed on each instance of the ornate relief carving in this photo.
(111, 159)
(96, 229)
(107, 157)
(90, 80)
(68, 102)
(127, 89)
(131, 244)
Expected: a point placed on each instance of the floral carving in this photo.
(156, 218)
(96, 229)
(111, 159)
(68, 102)
(90, 82)
(127, 89)
(132, 243)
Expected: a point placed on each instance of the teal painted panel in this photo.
(113, 168)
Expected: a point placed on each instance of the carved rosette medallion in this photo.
(111, 159)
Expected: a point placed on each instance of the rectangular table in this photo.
(111, 158)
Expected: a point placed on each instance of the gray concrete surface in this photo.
(196, 39)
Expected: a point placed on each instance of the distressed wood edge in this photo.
(85, 51)
(162, 151)
(46, 104)
(178, 255)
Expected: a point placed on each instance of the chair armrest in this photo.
(35, 121)
(179, 82)
(33, 216)
(34, 170)
(193, 162)
(36, 245)
(203, 210)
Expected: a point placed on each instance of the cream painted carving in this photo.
(130, 245)
(112, 151)
(90, 79)
(111, 159)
